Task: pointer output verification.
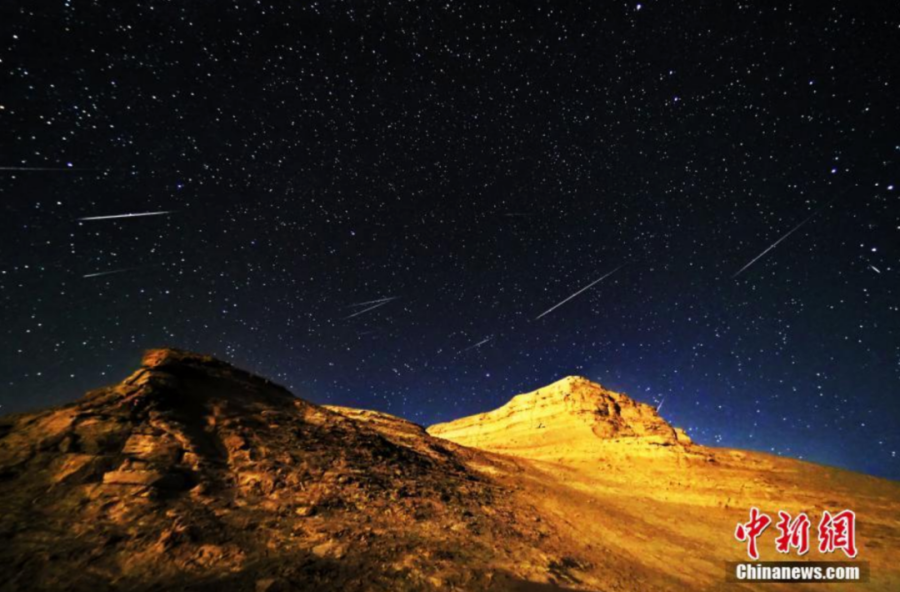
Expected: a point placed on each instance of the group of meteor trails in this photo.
(375, 304)
(361, 308)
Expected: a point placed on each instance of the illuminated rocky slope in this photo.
(571, 417)
(194, 475)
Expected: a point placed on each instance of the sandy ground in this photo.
(665, 521)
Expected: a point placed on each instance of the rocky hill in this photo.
(194, 475)
(568, 418)
(191, 473)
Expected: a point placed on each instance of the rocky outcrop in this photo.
(194, 475)
(571, 417)
(193, 471)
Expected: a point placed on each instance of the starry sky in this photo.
(728, 169)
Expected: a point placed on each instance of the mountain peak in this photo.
(572, 416)
(185, 363)
(191, 466)
(571, 381)
(169, 355)
(178, 380)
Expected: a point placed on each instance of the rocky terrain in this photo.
(570, 418)
(194, 475)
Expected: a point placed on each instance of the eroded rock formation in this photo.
(194, 475)
(191, 470)
(570, 417)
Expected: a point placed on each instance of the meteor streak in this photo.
(784, 236)
(479, 344)
(554, 307)
(23, 169)
(131, 215)
(373, 301)
(114, 271)
(375, 304)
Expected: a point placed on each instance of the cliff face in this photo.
(571, 417)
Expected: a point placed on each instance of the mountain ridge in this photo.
(192, 474)
(191, 465)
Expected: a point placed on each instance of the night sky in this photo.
(465, 167)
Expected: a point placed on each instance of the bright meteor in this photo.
(118, 216)
(551, 309)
